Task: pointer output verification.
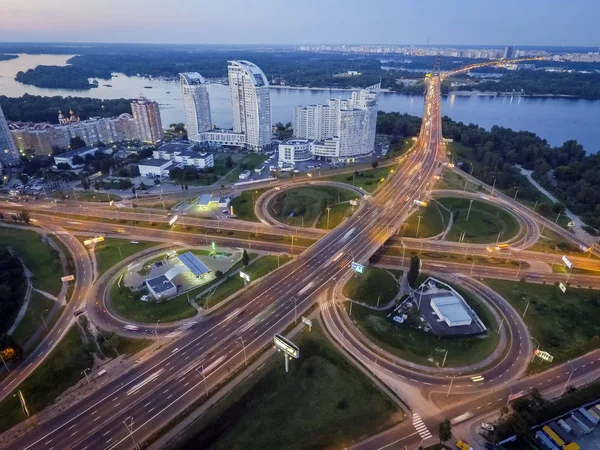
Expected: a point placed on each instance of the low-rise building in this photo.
(244, 175)
(67, 157)
(207, 201)
(154, 168)
(161, 287)
(295, 150)
(450, 309)
(185, 155)
(222, 138)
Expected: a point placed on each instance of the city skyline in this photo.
(436, 22)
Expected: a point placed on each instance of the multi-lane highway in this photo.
(164, 385)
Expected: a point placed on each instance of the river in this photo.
(554, 119)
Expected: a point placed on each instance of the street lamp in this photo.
(570, 375)
(243, 345)
(156, 329)
(536, 348)
(44, 320)
(85, 374)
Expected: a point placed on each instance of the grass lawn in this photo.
(566, 325)
(484, 224)
(248, 162)
(32, 320)
(323, 402)
(434, 220)
(304, 205)
(258, 269)
(87, 196)
(451, 180)
(551, 242)
(123, 345)
(38, 256)
(370, 285)
(61, 370)
(243, 204)
(337, 215)
(128, 305)
(109, 252)
(425, 348)
(368, 180)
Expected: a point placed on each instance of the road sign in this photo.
(544, 355)
(245, 277)
(286, 346)
(359, 268)
(173, 220)
(571, 224)
(562, 287)
(585, 249)
(67, 278)
(93, 240)
(213, 246)
(307, 322)
(568, 263)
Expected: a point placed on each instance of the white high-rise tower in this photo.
(196, 104)
(251, 103)
(8, 150)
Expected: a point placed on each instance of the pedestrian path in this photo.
(420, 427)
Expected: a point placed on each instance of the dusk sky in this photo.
(444, 22)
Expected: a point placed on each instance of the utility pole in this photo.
(445, 356)
(515, 198)
(499, 234)
(536, 202)
(500, 327)
(494, 186)
(44, 320)
(4, 362)
(418, 226)
(130, 432)
(156, 329)
(86, 377)
(243, 345)
(526, 308)
(328, 210)
(450, 387)
(469, 211)
(351, 303)
(570, 375)
(120, 254)
(557, 217)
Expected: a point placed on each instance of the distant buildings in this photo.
(146, 115)
(8, 151)
(342, 129)
(509, 52)
(67, 157)
(195, 104)
(250, 103)
(44, 137)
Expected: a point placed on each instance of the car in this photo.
(571, 388)
(79, 312)
(487, 426)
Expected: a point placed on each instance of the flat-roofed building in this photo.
(154, 168)
(161, 287)
(451, 310)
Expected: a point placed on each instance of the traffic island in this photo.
(313, 206)
(478, 222)
(405, 330)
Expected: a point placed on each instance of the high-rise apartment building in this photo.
(509, 52)
(148, 124)
(351, 122)
(251, 103)
(9, 154)
(196, 104)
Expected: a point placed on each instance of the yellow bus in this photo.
(552, 435)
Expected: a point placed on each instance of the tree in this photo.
(85, 184)
(413, 271)
(24, 216)
(228, 162)
(76, 142)
(133, 190)
(245, 258)
(374, 164)
(23, 178)
(96, 185)
(445, 431)
(186, 187)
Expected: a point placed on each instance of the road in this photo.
(164, 385)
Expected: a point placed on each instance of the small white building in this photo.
(244, 175)
(450, 309)
(161, 287)
(154, 168)
(207, 201)
(67, 157)
(184, 154)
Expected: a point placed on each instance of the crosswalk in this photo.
(420, 427)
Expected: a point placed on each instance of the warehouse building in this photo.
(450, 309)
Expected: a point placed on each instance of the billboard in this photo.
(562, 287)
(568, 263)
(359, 268)
(245, 276)
(67, 278)
(544, 355)
(306, 321)
(93, 240)
(173, 220)
(286, 346)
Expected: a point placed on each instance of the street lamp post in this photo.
(85, 374)
(526, 308)
(418, 226)
(4, 362)
(499, 234)
(494, 185)
(156, 329)
(328, 210)
(44, 320)
(557, 217)
(130, 432)
(243, 345)
(450, 387)
(469, 211)
(570, 375)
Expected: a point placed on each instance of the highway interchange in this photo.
(131, 408)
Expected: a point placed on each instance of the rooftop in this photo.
(205, 199)
(193, 264)
(451, 308)
(160, 284)
(154, 162)
(174, 147)
(77, 151)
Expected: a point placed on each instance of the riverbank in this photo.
(514, 94)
